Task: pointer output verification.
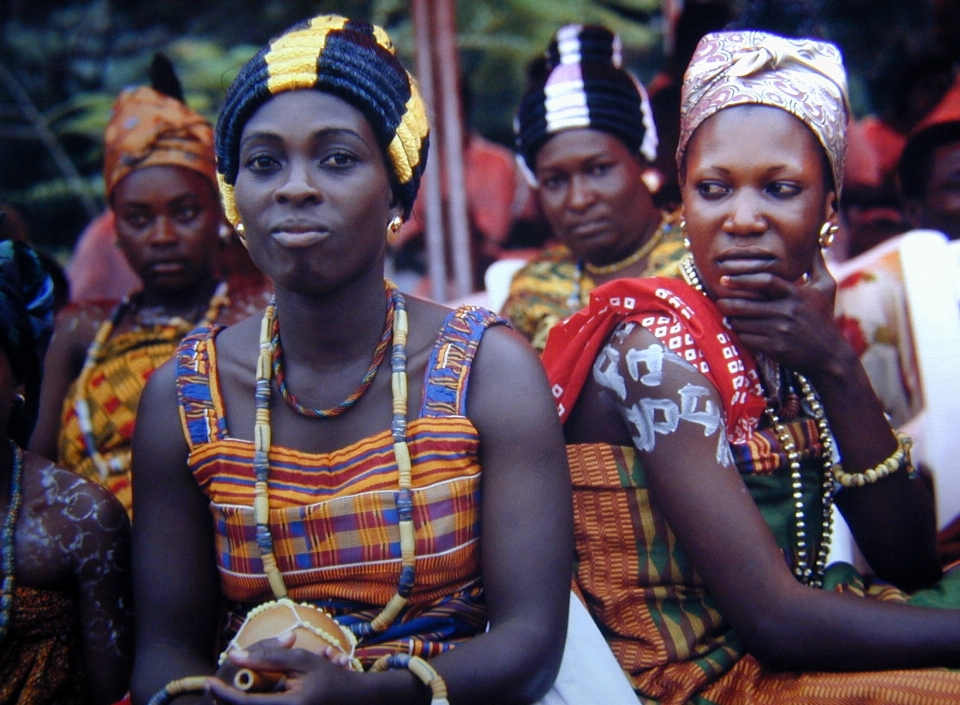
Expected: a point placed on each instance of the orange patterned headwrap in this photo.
(148, 128)
(805, 77)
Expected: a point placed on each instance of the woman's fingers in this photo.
(275, 654)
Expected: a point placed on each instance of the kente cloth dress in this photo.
(334, 516)
(41, 659)
(554, 286)
(113, 393)
(662, 624)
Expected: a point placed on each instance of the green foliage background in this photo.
(62, 62)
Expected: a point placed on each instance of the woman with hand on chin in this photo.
(712, 423)
(390, 461)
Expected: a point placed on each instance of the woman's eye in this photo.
(779, 189)
(136, 220)
(339, 159)
(186, 213)
(711, 189)
(550, 183)
(261, 162)
(599, 169)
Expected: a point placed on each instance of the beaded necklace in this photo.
(9, 536)
(575, 300)
(807, 569)
(95, 356)
(378, 355)
(398, 428)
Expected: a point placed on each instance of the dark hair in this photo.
(788, 18)
(916, 161)
(26, 323)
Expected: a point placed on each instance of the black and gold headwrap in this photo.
(355, 61)
(26, 323)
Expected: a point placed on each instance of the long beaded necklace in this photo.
(378, 355)
(9, 536)
(807, 569)
(95, 356)
(575, 300)
(398, 429)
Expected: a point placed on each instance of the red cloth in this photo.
(98, 269)
(685, 321)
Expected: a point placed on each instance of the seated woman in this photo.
(416, 507)
(66, 622)
(706, 420)
(160, 173)
(587, 136)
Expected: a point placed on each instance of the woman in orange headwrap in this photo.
(160, 174)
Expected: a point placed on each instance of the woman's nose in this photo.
(581, 195)
(746, 216)
(163, 232)
(299, 184)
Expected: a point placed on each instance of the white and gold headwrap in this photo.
(805, 77)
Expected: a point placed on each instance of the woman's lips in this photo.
(167, 267)
(746, 264)
(299, 238)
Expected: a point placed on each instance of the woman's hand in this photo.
(792, 323)
(297, 675)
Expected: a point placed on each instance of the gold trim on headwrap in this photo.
(355, 61)
(292, 59)
(148, 128)
(805, 77)
(404, 149)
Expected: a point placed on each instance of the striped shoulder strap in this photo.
(200, 410)
(448, 370)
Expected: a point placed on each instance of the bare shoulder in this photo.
(77, 324)
(69, 526)
(67, 498)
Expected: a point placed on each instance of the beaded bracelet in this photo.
(899, 459)
(421, 669)
(190, 684)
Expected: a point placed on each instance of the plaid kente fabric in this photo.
(334, 515)
(113, 392)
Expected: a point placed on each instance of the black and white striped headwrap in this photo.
(586, 87)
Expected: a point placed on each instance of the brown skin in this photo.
(168, 220)
(310, 163)
(73, 536)
(745, 168)
(939, 209)
(591, 191)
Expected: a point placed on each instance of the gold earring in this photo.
(393, 229)
(683, 229)
(828, 233)
(240, 231)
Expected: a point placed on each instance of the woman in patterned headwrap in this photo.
(706, 420)
(160, 175)
(263, 471)
(586, 136)
(65, 608)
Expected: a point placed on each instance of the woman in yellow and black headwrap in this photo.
(328, 452)
(160, 176)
